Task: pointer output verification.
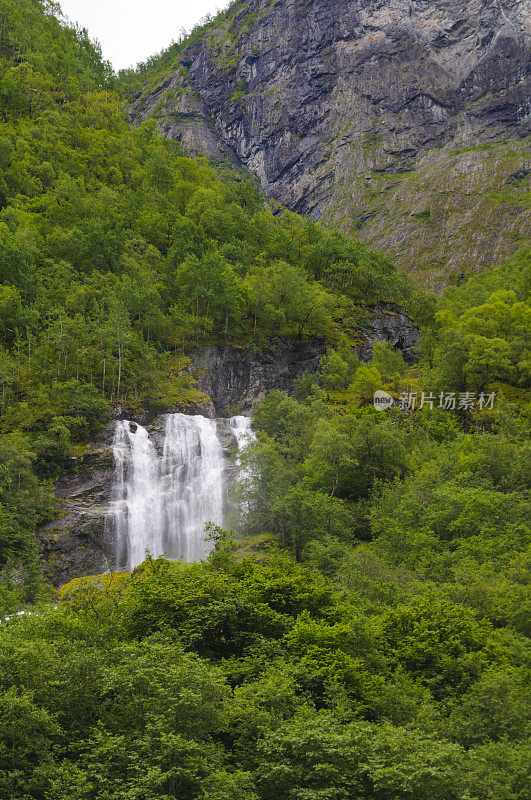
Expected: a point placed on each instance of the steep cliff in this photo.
(400, 120)
(75, 544)
(78, 542)
(236, 379)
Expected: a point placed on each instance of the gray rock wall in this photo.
(388, 118)
(75, 544)
(236, 379)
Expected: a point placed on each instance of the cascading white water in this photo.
(242, 427)
(244, 435)
(192, 476)
(136, 495)
(162, 502)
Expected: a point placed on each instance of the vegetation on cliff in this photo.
(369, 636)
(343, 110)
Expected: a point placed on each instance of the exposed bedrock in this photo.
(399, 120)
(236, 379)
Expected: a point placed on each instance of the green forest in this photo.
(362, 632)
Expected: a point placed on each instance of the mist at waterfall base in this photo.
(162, 498)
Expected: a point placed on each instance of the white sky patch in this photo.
(129, 31)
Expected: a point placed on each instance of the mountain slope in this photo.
(403, 121)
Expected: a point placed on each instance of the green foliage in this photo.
(260, 679)
(23, 502)
(367, 380)
(348, 455)
(378, 647)
(485, 329)
(419, 687)
(334, 371)
(314, 758)
(302, 515)
(388, 361)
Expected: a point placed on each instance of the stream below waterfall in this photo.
(166, 488)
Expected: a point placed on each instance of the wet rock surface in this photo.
(78, 542)
(236, 379)
(75, 543)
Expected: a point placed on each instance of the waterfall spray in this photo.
(161, 502)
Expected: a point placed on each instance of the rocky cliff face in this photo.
(400, 120)
(390, 324)
(236, 380)
(75, 544)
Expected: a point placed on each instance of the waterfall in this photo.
(244, 435)
(242, 428)
(136, 495)
(162, 498)
(192, 473)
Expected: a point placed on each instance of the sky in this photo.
(131, 30)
